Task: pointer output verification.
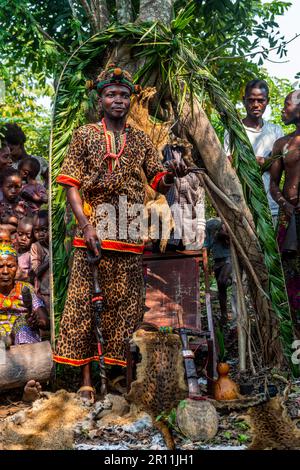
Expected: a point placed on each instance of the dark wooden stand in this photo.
(173, 299)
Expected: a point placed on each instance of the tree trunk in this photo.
(156, 10)
(97, 14)
(124, 11)
(101, 13)
(25, 362)
(196, 127)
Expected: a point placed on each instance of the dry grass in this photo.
(47, 425)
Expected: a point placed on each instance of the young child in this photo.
(5, 235)
(33, 192)
(11, 204)
(24, 238)
(39, 254)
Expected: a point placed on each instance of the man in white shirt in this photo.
(262, 134)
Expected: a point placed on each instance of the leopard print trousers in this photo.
(121, 281)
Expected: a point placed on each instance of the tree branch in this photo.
(47, 36)
(124, 11)
(90, 16)
(252, 54)
(74, 14)
(100, 12)
(278, 61)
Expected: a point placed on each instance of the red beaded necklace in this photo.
(108, 142)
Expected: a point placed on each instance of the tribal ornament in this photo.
(7, 250)
(113, 75)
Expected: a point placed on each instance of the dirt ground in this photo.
(234, 429)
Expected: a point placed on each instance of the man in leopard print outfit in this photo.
(104, 163)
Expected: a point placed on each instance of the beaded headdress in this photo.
(113, 75)
(7, 250)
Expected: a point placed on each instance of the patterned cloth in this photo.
(39, 255)
(188, 195)
(24, 267)
(13, 312)
(23, 333)
(87, 168)
(36, 189)
(121, 280)
(7, 250)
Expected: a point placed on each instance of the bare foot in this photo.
(32, 391)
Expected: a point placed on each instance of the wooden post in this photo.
(242, 320)
(209, 311)
(25, 362)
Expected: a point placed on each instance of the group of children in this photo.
(24, 218)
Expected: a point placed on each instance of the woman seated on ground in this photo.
(17, 323)
(20, 321)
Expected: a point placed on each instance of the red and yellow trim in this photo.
(79, 242)
(82, 362)
(157, 179)
(113, 245)
(68, 180)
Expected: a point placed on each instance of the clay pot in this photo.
(224, 387)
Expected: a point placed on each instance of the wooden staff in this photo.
(97, 301)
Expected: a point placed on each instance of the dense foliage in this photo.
(23, 103)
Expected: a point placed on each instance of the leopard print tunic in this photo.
(102, 181)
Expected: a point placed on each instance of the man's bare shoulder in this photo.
(280, 143)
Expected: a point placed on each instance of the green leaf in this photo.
(243, 438)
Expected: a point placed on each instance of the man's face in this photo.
(8, 269)
(41, 231)
(16, 150)
(115, 101)
(24, 235)
(5, 157)
(11, 187)
(291, 110)
(255, 102)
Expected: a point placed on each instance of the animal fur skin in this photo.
(272, 428)
(160, 383)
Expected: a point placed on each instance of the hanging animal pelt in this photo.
(160, 383)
